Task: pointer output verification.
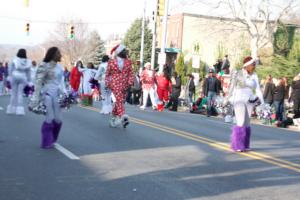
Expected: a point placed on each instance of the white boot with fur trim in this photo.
(115, 121)
(20, 110)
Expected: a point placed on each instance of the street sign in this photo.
(162, 58)
(196, 61)
(196, 78)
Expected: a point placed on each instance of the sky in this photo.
(107, 17)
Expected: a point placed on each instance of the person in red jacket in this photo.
(119, 77)
(75, 76)
(164, 86)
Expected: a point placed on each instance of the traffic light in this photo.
(71, 32)
(160, 7)
(26, 3)
(27, 28)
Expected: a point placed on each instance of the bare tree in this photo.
(72, 49)
(258, 17)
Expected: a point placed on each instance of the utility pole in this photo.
(154, 38)
(142, 38)
(164, 37)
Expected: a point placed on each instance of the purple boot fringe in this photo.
(239, 138)
(56, 129)
(47, 135)
(248, 134)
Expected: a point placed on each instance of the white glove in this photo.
(8, 78)
(30, 84)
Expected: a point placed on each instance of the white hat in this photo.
(117, 49)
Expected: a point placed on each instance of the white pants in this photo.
(242, 113)
(53, 108)
(16, 98)
(152, 97)
(1, 87)
(106, 99)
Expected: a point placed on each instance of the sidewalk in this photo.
(253, 120)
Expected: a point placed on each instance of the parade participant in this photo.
(176, 90)
(243, 83)
(105, 92)
(164, 86)
(49, 85)
(148, 86)
(119, 77)
(2, 70)
(18, 76)
(33, 71)
(88, 73)
(75, 76)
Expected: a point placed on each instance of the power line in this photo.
(62, 22)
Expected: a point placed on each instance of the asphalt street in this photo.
(160, 156)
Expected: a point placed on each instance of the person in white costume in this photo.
(88, 73)
(33, 71)
(49, 85)
(244, 92)
(105, 92)
(19, 77)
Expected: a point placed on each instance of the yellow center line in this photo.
(219, 145)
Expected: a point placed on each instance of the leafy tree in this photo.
(180, 69)
(132, 41)
(295, 50)
(96, 49)
(283, 39)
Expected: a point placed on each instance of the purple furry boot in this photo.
(56, 129)
(247, 141)
(238, 138)
(47, 135)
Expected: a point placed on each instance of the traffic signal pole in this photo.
(142, 38)
(164, 36)
(154, 38)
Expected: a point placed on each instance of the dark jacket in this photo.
(296, 90)
(279, 93)
(216, 88)
(176, 88)
(269, 92)
(192, 87)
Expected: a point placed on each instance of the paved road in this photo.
(165, 156)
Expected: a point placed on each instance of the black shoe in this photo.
(125, 122)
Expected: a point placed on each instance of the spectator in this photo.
(211, 88)
(226, 65)
(176, 89)
(191, 89)
(296, 96)
(279, 93)
(136, 90)
(218, 65)
(66, 76)
(269, 90)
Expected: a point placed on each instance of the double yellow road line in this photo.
(213, 143)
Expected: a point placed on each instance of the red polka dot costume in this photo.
(119, 81)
